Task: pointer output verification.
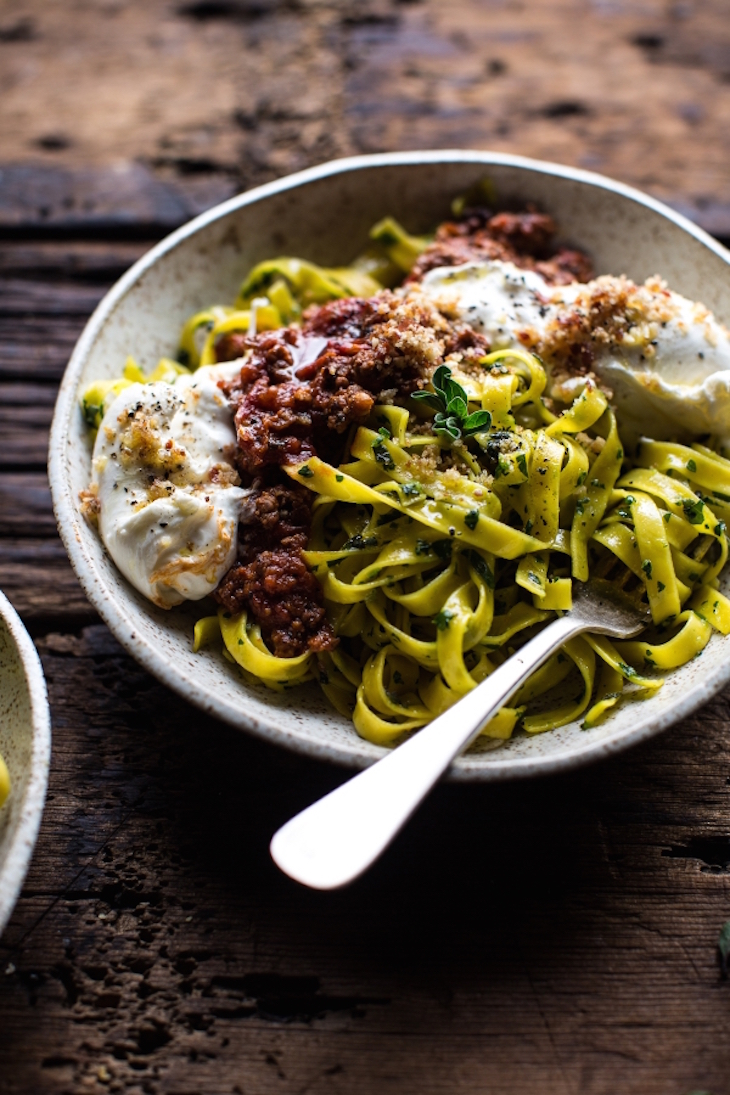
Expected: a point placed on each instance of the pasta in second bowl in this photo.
(623, 232)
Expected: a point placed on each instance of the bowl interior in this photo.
(325, 215)
(25, 745)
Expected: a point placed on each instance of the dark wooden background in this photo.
(555, 938)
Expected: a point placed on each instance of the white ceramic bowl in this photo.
(25, 743)
(324, 215)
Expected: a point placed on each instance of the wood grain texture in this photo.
(123, 113)
(555, 937)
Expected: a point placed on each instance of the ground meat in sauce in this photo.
(300, 389)
(292, 401)
(271, 579)
(297, 393)
(525, 238)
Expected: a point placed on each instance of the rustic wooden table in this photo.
(549, 937)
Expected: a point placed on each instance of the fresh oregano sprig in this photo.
(451, 403)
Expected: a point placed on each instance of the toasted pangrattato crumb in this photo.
(610, 312)
(90, 504)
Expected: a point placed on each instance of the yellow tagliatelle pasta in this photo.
(458, 519)
(437, 560)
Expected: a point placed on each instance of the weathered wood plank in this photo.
(144, 114)
(70, 258)
(25, 505)
(24, 433)
(37, 578)
(47, 292)
(26, 298)
(517, 939)
(38, 349)
(27, 394)
(104, 197)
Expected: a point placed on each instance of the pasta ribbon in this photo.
(686, 644)
(458, 519)
(245, 645)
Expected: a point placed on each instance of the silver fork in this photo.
(333, 841)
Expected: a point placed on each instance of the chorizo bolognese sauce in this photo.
(301, 388)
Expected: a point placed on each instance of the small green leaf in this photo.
(443, 618)
(693, 511)
(432, 400)
(458, 407)
(481, 567)
(382, 455)
(359, 543)
(446, 427)
(306, 472)
(471, 519)
(451, 403)
(477, 422)
(442, 549)
(691, 465)
(646, 567)
(440, 376)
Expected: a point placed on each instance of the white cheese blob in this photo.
(669, 373)
(167, 489)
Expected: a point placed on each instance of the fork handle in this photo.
(333, 841)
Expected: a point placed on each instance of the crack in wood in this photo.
(713, 851)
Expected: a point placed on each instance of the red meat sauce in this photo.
(527, 239)
(300, 388)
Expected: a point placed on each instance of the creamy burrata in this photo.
(665, 359)
(167, 489)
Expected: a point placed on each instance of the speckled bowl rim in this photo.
(73, 532)
(23, 838)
